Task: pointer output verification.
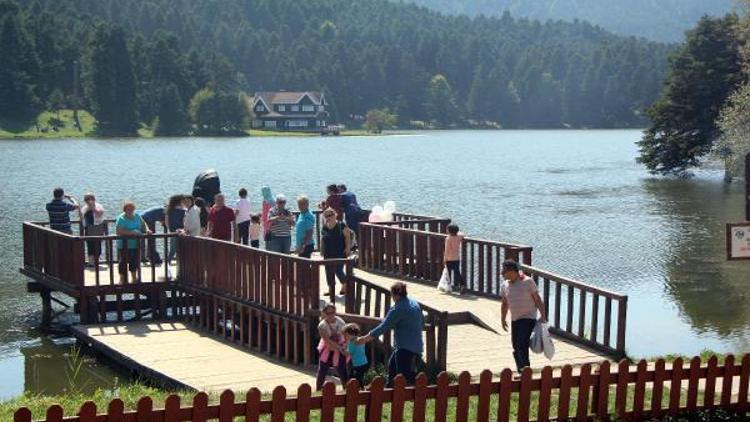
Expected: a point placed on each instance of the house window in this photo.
(260, 107)
(269, 124)
(308, 108)
(282, 108)
(297, 123)
(321, 108)
(323, 123)
(295, 108)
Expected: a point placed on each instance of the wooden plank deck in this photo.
(181, 356)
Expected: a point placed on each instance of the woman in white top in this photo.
(192, 222)
(92, 216)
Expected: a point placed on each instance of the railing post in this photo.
(349, 297)
(622, 316)
(512, 252)
(442, 341)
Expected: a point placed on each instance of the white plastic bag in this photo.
(445, 281)
(541, 341)
(549, 346)
(537, 344)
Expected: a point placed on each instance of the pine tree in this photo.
(17, 71)
(111, 83)
(172, 117)
(706, 69)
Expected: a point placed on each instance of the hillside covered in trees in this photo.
(661, 20)
(140, 60)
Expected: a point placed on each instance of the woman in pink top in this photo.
(452, 257)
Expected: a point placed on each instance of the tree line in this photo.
(703, 113)
(145, 62)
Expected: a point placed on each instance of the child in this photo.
(452, 257)
(255, 230)
(356, 352)
(242, 216)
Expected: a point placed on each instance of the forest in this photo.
(188, 63)
(660, 20)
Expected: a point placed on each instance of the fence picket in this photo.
(420, 398)
(726, 381)
(22, 415)
(563, 402)
(374, 412)
(710, 386)
(171, 408)
(503, 402)
(278, 410)
(742, 399)
(640, 389)
(200, 407)
(485, 389)
(55, 413)
(462, 399)
(441, 398)
(226, 406)
(524, 396)
(88, 412)
(692, 396)
(252, 405)
(675, 386)
(584, 386)
(657, 389)
(399, 397)
(328, 406)
(352, 401)
(621, 393)
(602, 393)
(303, 403)
(545, 392)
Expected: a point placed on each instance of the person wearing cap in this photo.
(280, 221)
(520, 297)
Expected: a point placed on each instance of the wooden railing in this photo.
(56, 256)
(578, 311)
(373, 301)
(418, 255)
(582, 312)
(600, 392)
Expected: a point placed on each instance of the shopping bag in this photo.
(549, 346)
(445, 281)
(537, 343)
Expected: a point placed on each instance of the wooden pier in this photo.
(227, 316)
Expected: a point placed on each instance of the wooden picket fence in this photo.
(601, 391)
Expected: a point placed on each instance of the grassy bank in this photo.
(42, 127)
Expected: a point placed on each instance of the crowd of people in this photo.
(340, 343)
(237, 222)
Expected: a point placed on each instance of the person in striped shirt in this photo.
(59, 211)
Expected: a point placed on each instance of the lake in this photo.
(578, 197)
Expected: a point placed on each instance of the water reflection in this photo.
(710, 292)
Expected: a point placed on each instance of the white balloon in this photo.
(387, 216)
(389, 207)
(374, 218)
(377, 209)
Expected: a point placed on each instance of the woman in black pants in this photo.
(335, 242)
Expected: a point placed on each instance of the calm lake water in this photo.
(578, 197)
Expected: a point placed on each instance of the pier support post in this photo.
(46, 295)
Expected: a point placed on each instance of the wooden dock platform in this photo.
(181, 356)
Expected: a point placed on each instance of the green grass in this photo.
(705, 355)
(68, 130)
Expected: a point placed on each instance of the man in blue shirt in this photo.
(406, 320)
(304, 227)
(151, 216)
(352, 211)
(59, 211)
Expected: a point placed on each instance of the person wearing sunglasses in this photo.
(335, 243)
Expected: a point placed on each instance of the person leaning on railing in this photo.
(131, 226)
(93, 225)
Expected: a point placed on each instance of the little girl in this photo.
(255, 230)
(356, 353)
(452, 257)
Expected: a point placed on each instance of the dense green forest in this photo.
(661, 20)
(144, 61)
